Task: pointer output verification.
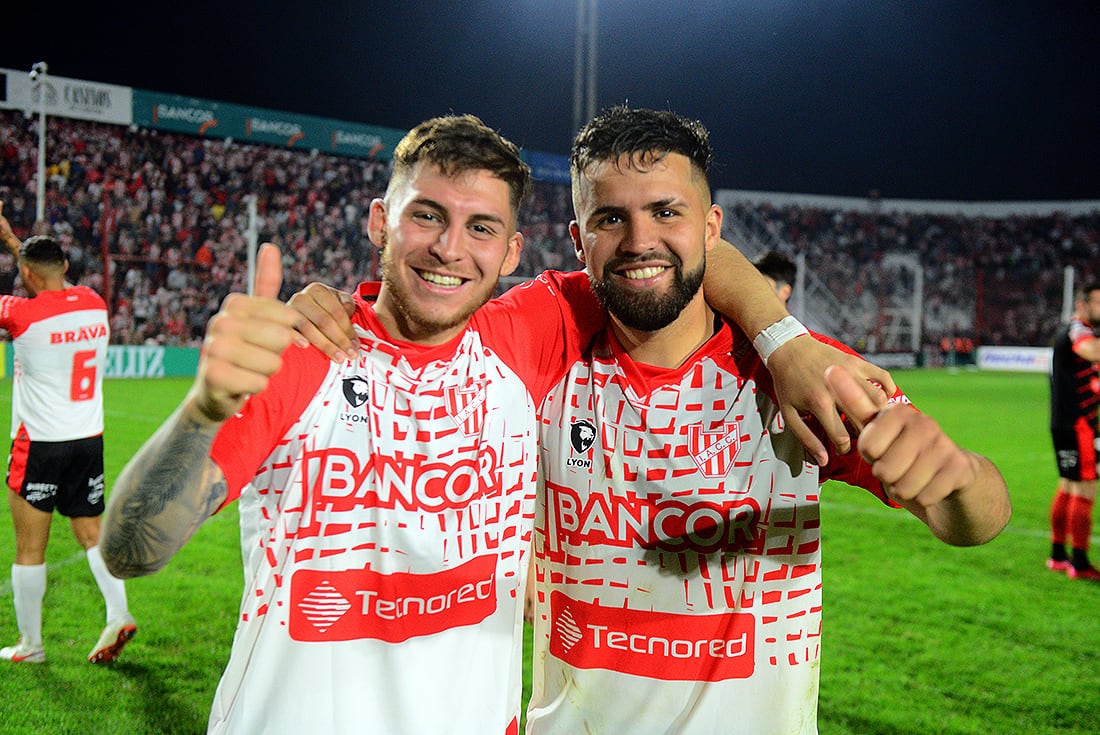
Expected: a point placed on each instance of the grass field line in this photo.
(5, 586)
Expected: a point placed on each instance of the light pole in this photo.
(584, 65)
(38, 84)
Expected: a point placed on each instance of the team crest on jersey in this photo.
(466, 406)
(714, 451)
(356, 391)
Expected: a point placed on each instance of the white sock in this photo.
(112, 588)
(28, 587)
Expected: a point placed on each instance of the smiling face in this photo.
(446, 240)
(643, 226)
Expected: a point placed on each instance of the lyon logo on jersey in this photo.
(356, 391)
(467, 407)
(582, 435)
(714, 451)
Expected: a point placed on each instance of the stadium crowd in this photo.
(992, 280)
(172, 211)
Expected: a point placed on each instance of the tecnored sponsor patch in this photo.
(657, 645)
(361, 603)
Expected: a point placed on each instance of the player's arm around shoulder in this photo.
(960, 495)
(735, 289)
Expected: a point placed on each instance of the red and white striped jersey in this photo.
(677, 550)
(60, 340)
(391, 500)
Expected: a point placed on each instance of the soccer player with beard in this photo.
(390, 492)
(678, 556)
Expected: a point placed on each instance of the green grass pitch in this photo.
(919, 638)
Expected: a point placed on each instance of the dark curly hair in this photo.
(644, 136)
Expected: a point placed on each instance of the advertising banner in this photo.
(64, 97)
(254, 125)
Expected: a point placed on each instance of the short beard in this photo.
(647, 311)
(421, 323)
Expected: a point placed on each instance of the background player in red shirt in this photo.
(1074, 394)
(60, 337)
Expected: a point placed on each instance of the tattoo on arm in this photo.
(162, 498)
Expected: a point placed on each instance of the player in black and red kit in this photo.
(1074, 395)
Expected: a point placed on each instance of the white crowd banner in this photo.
(65, 97)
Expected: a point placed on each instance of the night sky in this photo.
(929, 99)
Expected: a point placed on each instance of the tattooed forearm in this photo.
(166, 491)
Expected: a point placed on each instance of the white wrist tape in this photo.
(775, 336)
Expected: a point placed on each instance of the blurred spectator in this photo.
(780, 271)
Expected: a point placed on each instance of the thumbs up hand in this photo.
(244, 342)
(917, 463)
(960, 495)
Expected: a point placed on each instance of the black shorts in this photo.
(1075, 451)
(66, 476)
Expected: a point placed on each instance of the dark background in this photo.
(929, 99)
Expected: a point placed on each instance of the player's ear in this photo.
(376, 224)
(511, 258)
(575, 233)
(713, 226)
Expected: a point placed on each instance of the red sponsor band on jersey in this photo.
(82, 334)
(341, 479)
(361, 603)
(658, 645)
(653, 522)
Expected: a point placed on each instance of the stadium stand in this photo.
(169, 211)
(991, 280)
